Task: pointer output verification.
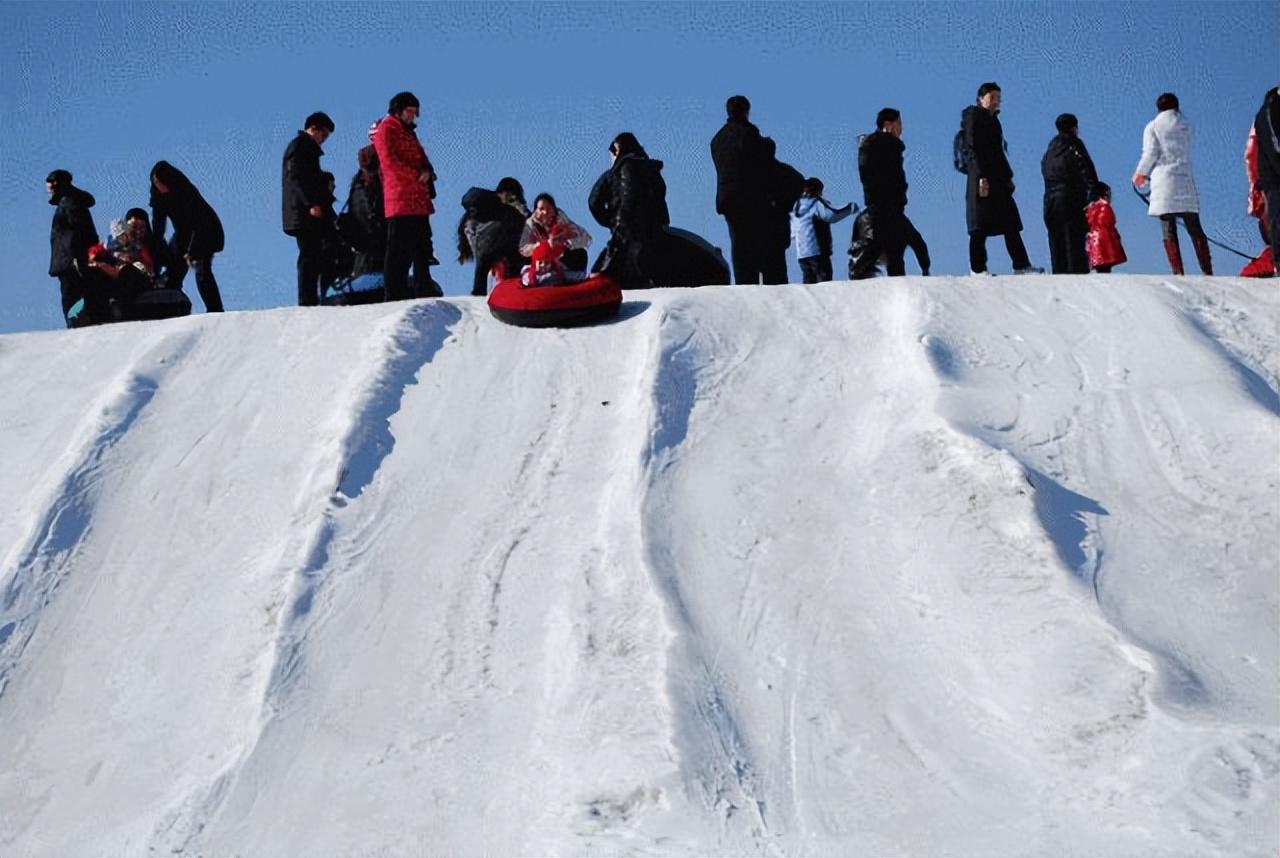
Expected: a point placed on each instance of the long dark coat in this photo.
(1267, 126)
(1069, 178)
(997, 213)
(72, 232)
(197, 231)
(630, 199)
(743, 158)
(303, 184)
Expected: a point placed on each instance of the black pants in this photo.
(756, 255)
(1066, 244)
(310, 266)
(1012, 241)
(1272, 196)
(889, 226)
(815, 269)
(74, 287)
(205, 282)
(1190, 220)
(408, 243)
(916, 242)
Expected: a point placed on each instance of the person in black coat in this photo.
(745, 161)
(70, 237)
(363, 224)
(630, 199)
(306, 202)
(1069, 182)
(884, 188)
(197, 232)
(1267, 127)
(989, 205)
(489, 231)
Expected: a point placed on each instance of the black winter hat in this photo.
(59, 177)
(1065, 122)
(400, 101)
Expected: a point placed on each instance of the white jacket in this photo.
(804, 235)
(1166, 158)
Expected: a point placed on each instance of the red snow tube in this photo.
(593, 300)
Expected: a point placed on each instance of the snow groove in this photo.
(714, 753)
(42, 561)
(1253, 383)
(417, 337)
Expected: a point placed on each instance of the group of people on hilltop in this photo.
(105, 277)
(767, 206)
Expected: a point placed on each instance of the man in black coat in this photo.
(305, 203)
(70, 237)
(1267, 127)
(884, 188)
(630, 199)
(1069, 180)
(989, 205)
(490, 229)
(744, 162)
(197, 231)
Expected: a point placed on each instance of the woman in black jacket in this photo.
(197, 232)
(630, 199)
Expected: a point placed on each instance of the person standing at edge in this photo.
(70, 237)
(1166, 164)
(989, 205)
(884, 189)
(1267, 128)
(305, 196)
(408, 184)
(197, 231)
(1069, 183)
(743, 159)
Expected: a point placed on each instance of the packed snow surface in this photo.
(904, 567)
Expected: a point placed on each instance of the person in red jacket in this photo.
(1263, 265)
(1102, 244)
(408, 184)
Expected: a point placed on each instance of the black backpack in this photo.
(961, 153)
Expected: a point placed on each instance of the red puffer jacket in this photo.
(402, 161)
(1103, 242)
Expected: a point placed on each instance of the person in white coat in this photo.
(1166, 165)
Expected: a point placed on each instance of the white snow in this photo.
(935, 566)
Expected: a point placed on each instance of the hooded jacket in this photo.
(811, 219)
(1069, 177)
(72, 232)
(630, 199)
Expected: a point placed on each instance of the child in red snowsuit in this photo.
(1102, 244)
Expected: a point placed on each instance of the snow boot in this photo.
(1202, 254)
(1174, 253)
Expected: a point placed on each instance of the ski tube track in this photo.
(1065, 517)
(421, 332)
(43, 563)
(1254, 384)
(733, 784)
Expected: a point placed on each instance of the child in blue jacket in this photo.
(811, 219)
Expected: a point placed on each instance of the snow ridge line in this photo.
(43, 561)
(417, 336)
(1254, 384)
(714, 751)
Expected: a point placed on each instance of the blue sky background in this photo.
(538, 90)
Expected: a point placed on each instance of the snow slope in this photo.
(917, 567)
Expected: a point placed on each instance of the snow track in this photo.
(897, 567)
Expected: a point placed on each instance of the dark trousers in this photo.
(1012, 242)
(408, 244)
(205, 282)
(889, 226)
(916, 242)
(1066, 244)
(815, 269)
(90, 287)
(756, 255)
(310, 266)
(1272, 196)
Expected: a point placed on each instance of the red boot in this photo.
(1174, 253)
(1202, 253)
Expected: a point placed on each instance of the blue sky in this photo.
(538, 90)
